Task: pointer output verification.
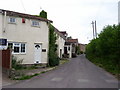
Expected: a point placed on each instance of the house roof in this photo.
(59, 33)
(72, 40)
(63, 32)
(22, 15)
(82, 44)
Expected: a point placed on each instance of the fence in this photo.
(6, 58)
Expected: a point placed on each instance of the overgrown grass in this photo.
(107, 65)
(26, 77)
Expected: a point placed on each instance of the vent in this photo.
(37, 62)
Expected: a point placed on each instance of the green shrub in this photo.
(81, 52)
(105, 49)
(65, 55)
(74, 55)
(17, 64)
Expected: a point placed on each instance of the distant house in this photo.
(70, 47)
(64, 33)
(82, 47)
(26, 35)
(60, 43)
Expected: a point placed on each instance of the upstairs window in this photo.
(12, 20)
(35, 23)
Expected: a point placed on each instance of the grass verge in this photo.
(25, 77)
(108, 66)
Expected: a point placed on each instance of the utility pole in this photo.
(93, 28)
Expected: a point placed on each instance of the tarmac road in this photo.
(78, 73)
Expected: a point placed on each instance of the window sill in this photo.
(12, 23)
(19, 53)
(35, 26)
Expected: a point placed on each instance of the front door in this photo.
(65, 50)
(37, 56)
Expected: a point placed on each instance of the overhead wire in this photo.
(23, 5)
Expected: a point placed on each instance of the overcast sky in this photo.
(73, 16)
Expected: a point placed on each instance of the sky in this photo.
(73, 16)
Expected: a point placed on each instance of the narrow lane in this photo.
(78, 73)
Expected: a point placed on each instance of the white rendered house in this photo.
(60, 43)
(27, 35)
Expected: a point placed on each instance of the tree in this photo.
(105, 50)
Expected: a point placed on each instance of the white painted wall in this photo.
(24, 32)
(0, 25)
(69, 51)
(60, 42)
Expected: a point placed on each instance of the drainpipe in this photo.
(4, 25)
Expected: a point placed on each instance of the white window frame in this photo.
(19, 45)
(12, 20)
(36, 23)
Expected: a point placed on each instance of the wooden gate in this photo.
(6, 58)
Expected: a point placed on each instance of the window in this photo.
(12, 20)
(69, 48)
(35, 23)
(3, 42)
(18, 48)
(23, 48)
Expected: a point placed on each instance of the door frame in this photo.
(40, 58)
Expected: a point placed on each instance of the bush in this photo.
(77, 50)
(17, 64)
(74, 55)
(81, 52)
(105, 49)
(65, 55)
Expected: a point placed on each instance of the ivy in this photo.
(43, 14)
(53, 57)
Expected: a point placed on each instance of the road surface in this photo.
(78, 73)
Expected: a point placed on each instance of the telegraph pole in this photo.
(93, 28)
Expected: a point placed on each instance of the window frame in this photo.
(13, 19)
(36, 23)
(20, 47)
